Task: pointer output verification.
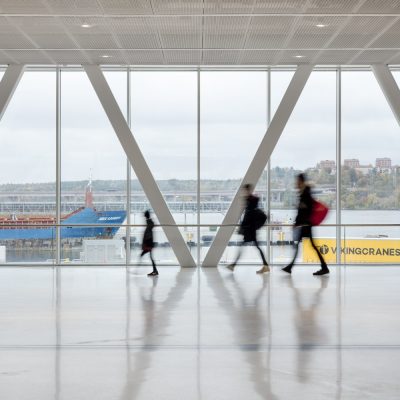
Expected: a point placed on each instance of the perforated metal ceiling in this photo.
(199, 32)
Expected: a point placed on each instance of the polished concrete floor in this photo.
(100, 333)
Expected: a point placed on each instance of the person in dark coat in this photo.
(148, 242)
(248, 227)
(302, 226)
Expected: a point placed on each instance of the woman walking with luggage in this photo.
(252, 220)
(302, 226)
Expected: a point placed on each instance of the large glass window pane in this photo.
(307, 144)
(93, 172)
(27, 171)
(370, 174)
(233, 123)
(164, 123)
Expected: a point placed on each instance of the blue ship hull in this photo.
(85, 216)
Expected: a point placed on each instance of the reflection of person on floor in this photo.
(250, 322)
(309, 333)
(302, 226)
(249, 226)
(148, 242)
(154, 321)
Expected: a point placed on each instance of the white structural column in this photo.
(259, 162)
(139, 164)
(389, 87)
(8, 85)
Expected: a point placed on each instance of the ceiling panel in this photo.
(29, 56)
(380, 7)
(98, 36)
(114, 57)
(220, 57)
(23, 7)
(332, 6)
(225, 32)
(359, 31)
(389, 39)
(373, 56)
(229, 7)
(182, 57)
(68, 57)
(180, 32)
(334, 57)
(6, 59)
(177, 7)
(315, 32)
(257, 57)
(11, 37)
(45, 32)
(280, 6)
(135, 33)
(137, 7)
(98, 41)
(74, 24)
(268, 32)
(297, 57)
(142, 57)
(73, 7)
(395, 60)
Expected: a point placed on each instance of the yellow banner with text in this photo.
(354, 250)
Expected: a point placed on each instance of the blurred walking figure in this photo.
(253, 219)
(303, 226)
(148, 242)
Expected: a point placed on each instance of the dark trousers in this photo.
(151, 258)
(306, 231)
(258, 247)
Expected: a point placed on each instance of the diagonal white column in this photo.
(139, 164)
(259, 162)
(389, 87)
(8, 84)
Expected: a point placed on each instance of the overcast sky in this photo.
(164, 121)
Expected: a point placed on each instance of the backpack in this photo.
(259, 218)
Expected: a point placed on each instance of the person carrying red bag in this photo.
(306, 217)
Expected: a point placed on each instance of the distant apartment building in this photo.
(326, 164)
(383, 163)
(352, 163)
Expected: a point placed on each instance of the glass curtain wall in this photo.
(93, 172)
(370, 167)
(164, 123)
(307, 145)
(27, 171)
(198, 132)
(233, 121)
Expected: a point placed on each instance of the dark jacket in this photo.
(304, 208)
(248, 225)
(148, 242)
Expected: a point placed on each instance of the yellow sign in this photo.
(354, 250)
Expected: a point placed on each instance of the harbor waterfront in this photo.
(280, 250)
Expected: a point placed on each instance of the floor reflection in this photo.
(250, 320)
(156, 320)
(310, 333)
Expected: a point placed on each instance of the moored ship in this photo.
(41, 227)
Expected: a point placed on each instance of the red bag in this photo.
(319, 212)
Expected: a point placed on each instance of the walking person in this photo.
(148, 242)
(252, 220)
(302, 226)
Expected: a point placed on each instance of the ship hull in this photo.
(84, 216)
